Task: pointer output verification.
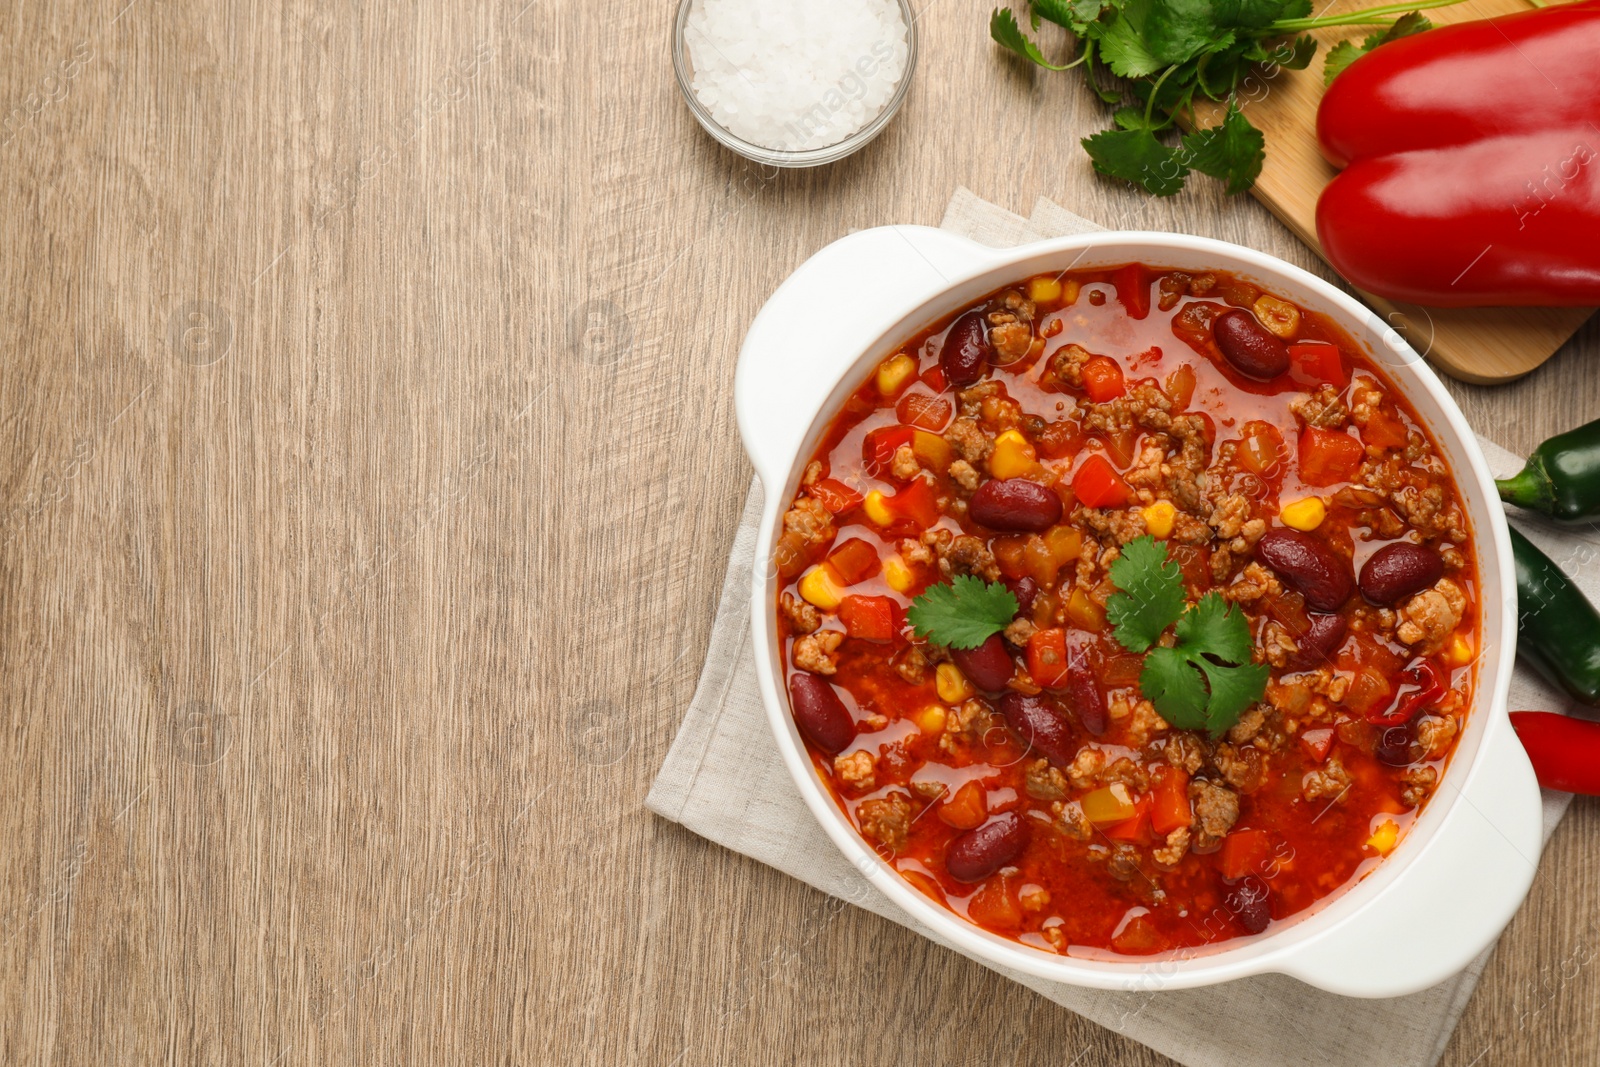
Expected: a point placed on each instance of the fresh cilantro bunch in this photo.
(1206, 680)
(1169, 52)
(1345, 53)
(963, 613)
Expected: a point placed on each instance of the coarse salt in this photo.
(793, 76)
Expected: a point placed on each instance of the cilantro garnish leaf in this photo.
(1169, 50)
(1231, 151)
(1345, 53)
(1205, 681)
(1136, 155)
(1150, 594)
(963, 613)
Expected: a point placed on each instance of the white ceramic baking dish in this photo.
(1460, 873)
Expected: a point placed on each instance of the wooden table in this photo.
(370, 467)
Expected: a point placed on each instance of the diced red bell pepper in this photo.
(934, 378)
(1133, 289)
(1317, 743)
(1565, 751)
(1328, 457)
(967, 808)
(923, 411)
(854, 561)
(1261, 449)
(1313, 364)
(871, 618)
(1047, 656)
(1102, 379)
(1244, 852)
(1134, 831)
(1384, 429)
(1180, 387)
(917, 503)
(1169, 808)
(837, 497)
(1098, 485)
(879, 446)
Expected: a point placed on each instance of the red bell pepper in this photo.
(1328, 457)
(871, 618)
(1471, 176)
(1098, 485)
(1565, 751)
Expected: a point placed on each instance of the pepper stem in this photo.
(1529, 488)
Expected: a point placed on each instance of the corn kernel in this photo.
(1278, 316)
(952, 685)
(1306, 513)
(930, 720)
(1013, 456)
(1069, 291)
(895, 372)
(898, 573)
(1158, 518)
(1459, 652)
(877, 508)
(1044, 290)
(1384, 837)
(819, 588)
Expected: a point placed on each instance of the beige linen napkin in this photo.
(724, 780)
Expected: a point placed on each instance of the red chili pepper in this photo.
(1565, 752)
(1428, 686)
(1471, 173)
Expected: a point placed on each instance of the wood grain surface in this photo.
(369, 469)
(1482, 345)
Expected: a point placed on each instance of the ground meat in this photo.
(904, 465)
(1322, 409)
(965, 475)
(1420, 780)
(914, 551)
(1066, 365)
(1186, 470)
(1124, 863)
(803, 618)
(1418, 497)
(1229, 516)
(1146, 472)
(1019, 631)
(1184, 749)
(1243, 767)
(969, 440)
(1434, 733)
(1249, 724)
(1142, 721)
(1117, 526)
(1278, 644)
(1429, 618)
(818, 653)
(1128, 773)
(858, 770)
(912, 664)
(1177, 846)
(1071, 820)
(1086, 768)
(1216, 809)
(1010, 340)
(808, 519)
(813, 473)
(1254, 583)
(965, 723)
(1045, 782)
(1365, 399)
(886, 820)
(964, 555)
(1033, 897)
(1330, 780)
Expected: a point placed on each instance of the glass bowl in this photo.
(810, 157)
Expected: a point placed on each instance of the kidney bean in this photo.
(819, 712)
(1320, 641)
(1309, 565)
(1396, 744)
(978, 853)
(989, 666)
(1248, 903)
(1396, 571)
(1025, 589)
(964, 357)
(1083, 690)
(1248, 345)
(1038, 721)
(1015, 504)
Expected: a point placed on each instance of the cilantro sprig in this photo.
(1172, 51)
(1345, 53)
(963, 613)
(1205, 681)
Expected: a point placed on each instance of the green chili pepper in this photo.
(1562, 478)
(1558, 630)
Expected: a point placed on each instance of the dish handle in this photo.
(1460, 891)
(821, 319)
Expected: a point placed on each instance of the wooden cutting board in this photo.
(1483, 345)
